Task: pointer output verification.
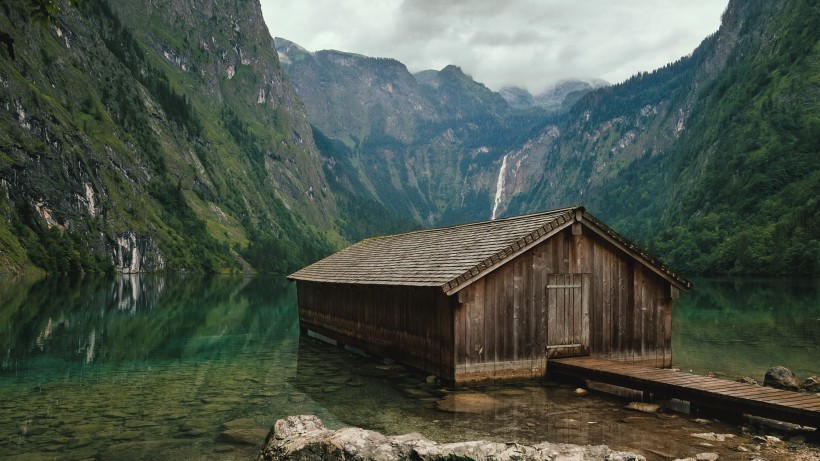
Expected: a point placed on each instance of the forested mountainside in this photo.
(712, 162)
(144, 136)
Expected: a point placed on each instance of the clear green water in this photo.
(741, 327)
(159, 367)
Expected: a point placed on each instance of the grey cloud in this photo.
(528, 43)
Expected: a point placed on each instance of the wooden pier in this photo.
(727, 396)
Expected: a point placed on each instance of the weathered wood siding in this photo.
(574, 288)
(413, 325)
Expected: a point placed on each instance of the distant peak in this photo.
(452, 68)
(285, 43)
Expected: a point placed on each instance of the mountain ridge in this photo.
(424, 145)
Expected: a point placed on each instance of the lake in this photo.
(184, 367)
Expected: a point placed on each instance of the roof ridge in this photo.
(475, 223)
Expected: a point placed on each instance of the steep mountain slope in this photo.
(427, 146)
(155, 136)
(713, 160)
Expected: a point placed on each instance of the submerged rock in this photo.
(707, 457)
(468, 402)
(714, 437)
(151, 449)
(747, 380)
(811, 384)
(242, 436)
(241, 423)
(781, 378)
(306, 437)
(644, 407)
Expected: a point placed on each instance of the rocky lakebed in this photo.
(206, 412)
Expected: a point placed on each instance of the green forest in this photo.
(753, 207)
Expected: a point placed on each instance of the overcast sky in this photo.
(526, 43)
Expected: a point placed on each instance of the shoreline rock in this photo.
(811, 384)
(781, 377)
(305, 437)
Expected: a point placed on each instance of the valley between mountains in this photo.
(166, 136)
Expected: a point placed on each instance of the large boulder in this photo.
(304, 438)
(781, 378)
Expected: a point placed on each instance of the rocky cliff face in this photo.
(224, 53)
(609, 129)
(153, 135)
(427, 146)
(347, 95)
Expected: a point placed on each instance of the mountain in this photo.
(176, 135)
(559, 96)
(144, 136)
(426, 146)
(712, 161)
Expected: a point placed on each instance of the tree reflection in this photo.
(76, 320)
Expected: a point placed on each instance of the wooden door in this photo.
(567, 302)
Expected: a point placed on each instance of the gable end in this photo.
(516, 248)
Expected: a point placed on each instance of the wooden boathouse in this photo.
(495, 299)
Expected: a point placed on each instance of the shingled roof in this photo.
(453, 257)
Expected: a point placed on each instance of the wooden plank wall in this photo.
(501, 327)
(631, 308)
(413, 325)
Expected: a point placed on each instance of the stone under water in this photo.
(468, 402)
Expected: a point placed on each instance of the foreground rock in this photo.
(303, 438)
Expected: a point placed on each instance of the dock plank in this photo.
(790, 406)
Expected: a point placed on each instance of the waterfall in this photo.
(499, 186)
